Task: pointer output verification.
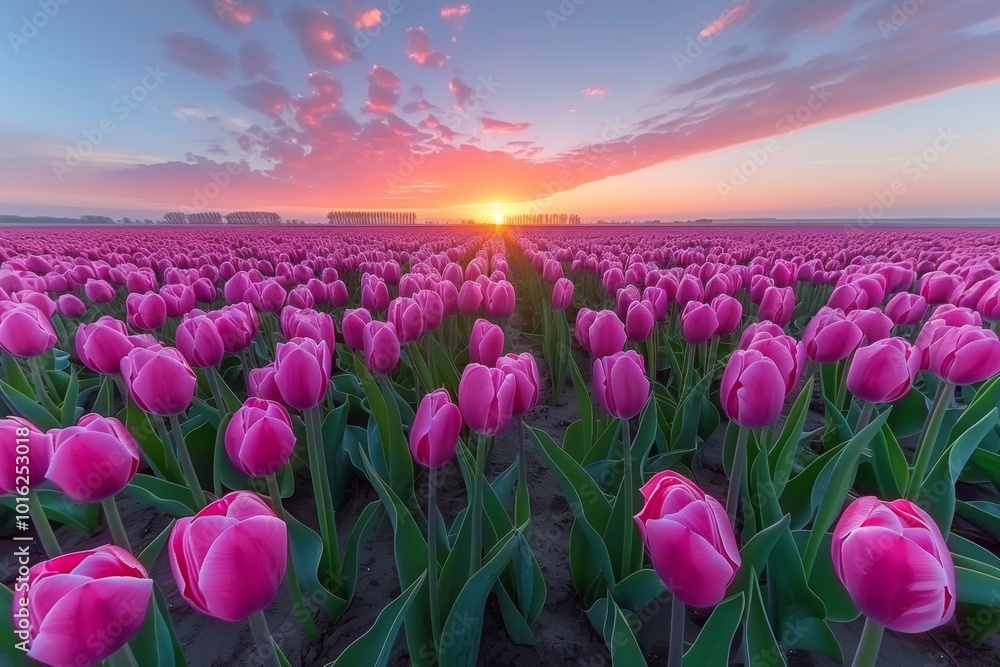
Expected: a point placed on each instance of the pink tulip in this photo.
(20, 438)
(786, 353)
(146, 311)
(159, 380)
(905, 308)
(103, 344)
(657, 298)
(965, 355)
(895, 564)
(956, 316)
(261, 384)
(449, 296)
(689, 539)
(300, 298)
(620, 384)
(405, 315)
(199, 340)
(562, 294)
(485, 343)
(939, 287)
(80, 608)
(353, 327)
(375, 295)
(337, 294)
(179, 299)
(204, 290)
(830, 336)
(25, 331)
(308, 323)
(698, 322)
(237, 325)
(470, 298)
(728, 312)
(584, 319)
(94, 460)
(759, 329)
(884, 371)
(70, 306)
(272, 296)
(639, 321)
(486, 398)
(302, 369)
(777, 305)
(498, 300)
(606, 334)
(436, 425)
(753, 389)
(431, 308)
(259, 438)
(525, 371)
(230, 558)
(874, 324)
(99, 291)
(381, 347)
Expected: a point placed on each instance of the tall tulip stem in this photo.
(678, 614)
(432, 559)
(42, 526)
(266, 649)
(866, 416)
(213, 382)
(35, 364)
(292, 576)
(522, 473)
(629, 490)
(736, 477)
(187, 467)
(476, 509)
(327, 518)
(871, 640)
(115, 523)
(931, 430)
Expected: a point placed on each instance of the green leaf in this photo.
(104, 404)
(710, 649)
(782, 454)
(909, 415)
(987, 399)
(755, 552)
(585, 406)
(375, 646)
(891, 469)
(174, 499)
(982, 513)
(28, 408)
(823, 581)
(12, 374)
(149, 555)
(762, 647)
(60, 508)
(637, 589)
(159, 454)
(937, 492)
(68, 413)
(156, 643)
(976, 587)
(307, 552)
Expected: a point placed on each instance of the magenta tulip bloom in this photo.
(498, 299)
(237, 325)
(728, 312)
(786, 353)
(939, 287)
(965, 355)
(103, 344)
(753, 389)
(883, 372)
(698, 322)
(199, 340)
(25, 331)
(259, 438)
(757, 331)
(302, 369)
(434, 434)
(525, 371)
(874, 324)
(584, 319)
(146, 311)
(375, 295)
(381, 347)
(620, 384)
(689, 539)
(470, 298)
(606, 334)
(99, 291)
(229, 559)
(179, 299)
(830, 336)
(485, 343)
(486, 398)
(308, 323)
(449, 296)
(894, 563)
(159, 380)
(68, 305)
(21, 442)
(905, 308)
(80, 608)
(94, 460)
(272, 296)
(562, 294)
(639, 321)
(353, 326)
(405, 315)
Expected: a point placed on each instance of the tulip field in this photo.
(478, 445)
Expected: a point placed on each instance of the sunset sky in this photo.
(623, 109)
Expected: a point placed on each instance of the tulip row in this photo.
(204, 376)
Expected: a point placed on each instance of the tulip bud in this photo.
(83, 607)
(964, 355)
(308, 323)
(179, 299)
(777, 305)
(606, 334)
(786, 353)
(146, 311)
(525, 371)
(353, 326)
(70, 306)
(905, 308)
(884, 371)
(94, 460)
(230, 558)
(159, 380)
(830, 336)
(620, 384)
(431, 308)
(25, 331)
(470, 298)
(728, 312)
(698, 322)
(405, 315)
(486, 398)
(381, 347)
(498, 300)
(17, 433)
(639, 321)
(584, 319)
(562, 294)
(895, 564)
(302, 369)
(199, 340)
(485, 343)
(259, 438)
(99, 291)
(753, 389)
(436, 425)
(689, 539)
(874, 324)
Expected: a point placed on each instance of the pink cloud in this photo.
(198, 55)
(462, 92)
(325, 40)
(455, 12)
(418, 49)
(327, 95)
(491, 126)
(734, 15)
(383, 90)
(445, 133)
(595, 91)
(233, 14)
(368, 19)
(268, 98)
(257, 61)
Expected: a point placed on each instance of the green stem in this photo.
(213, 382)
(736, 478)
(432, 558)
(266, 650)
(871, 639)
(866, 416)
(35, 364)
(678, 615)
(629, 484)
(115, 523)
(325, 513)
(688, 369)
(292, 575)
(123, 657)
(477, 504)
(931, 430)
(42, 526)
(187, 467)
(522, 474)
